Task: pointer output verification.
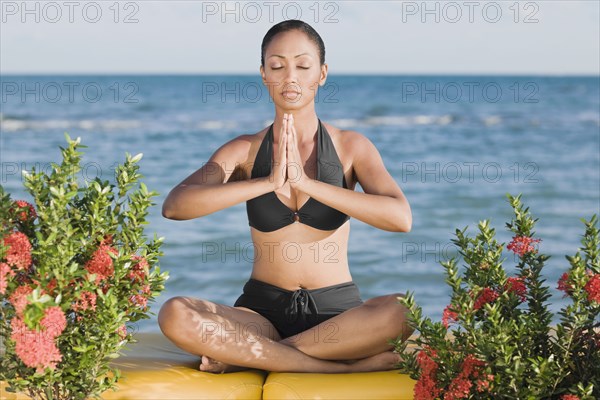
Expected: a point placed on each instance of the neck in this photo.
(306, 123)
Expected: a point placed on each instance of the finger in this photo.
(291, 131)
(294, 138)
(283, 136)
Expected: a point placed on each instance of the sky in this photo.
(361, 37)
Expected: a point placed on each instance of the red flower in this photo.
(449, 316)
(459, 388)
(522, 244)
(107, 240)
(138, 300)
(426, 388)
(569, 397)
(28, 212)
(101, 263)
(461, 385)
(471, 365)
(122, 332)
(487, 295)
(5, 272)
(484, 384)
(517, 286)
(564, 285)
(19, 250)
(36, 349)
(146, 290)
(54, 321)
(87, 301)
(593, 288)
(139, 270)
(51, 285)
(19, 298)
(427, 364)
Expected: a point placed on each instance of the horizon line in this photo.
(515, 74)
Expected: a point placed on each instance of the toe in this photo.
(205, 364)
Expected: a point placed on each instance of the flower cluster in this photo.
(521, 245)
(23, 211)
(517, 286)
(497, 338)
(564, 285)
(487, 295)
(101, 263)
(471, 371)
(75, 269)
(86, 301)
(592, 288)
(37, 349)
(426, 386)
(18, 252)
(449, 316)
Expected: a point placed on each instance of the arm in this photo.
(215, 186)
(382, 205)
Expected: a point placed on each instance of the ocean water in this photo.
(455, 145)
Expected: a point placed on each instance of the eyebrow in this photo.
(280, 56)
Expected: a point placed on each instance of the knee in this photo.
(389, 303)
(171, 314)
(397, 315)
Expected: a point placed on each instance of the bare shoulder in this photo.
(237, 155)
(240, 148)
(351, 143)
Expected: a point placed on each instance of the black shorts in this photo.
(292, 312)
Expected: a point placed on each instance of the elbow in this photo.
(169, 209)
(168, 212)
(408, 226)
(177, 209)
(403, 224)
(403, 221)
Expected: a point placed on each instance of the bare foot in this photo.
(217, 367)
(379, 362)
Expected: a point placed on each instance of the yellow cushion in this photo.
(364, 385)
(156, 369)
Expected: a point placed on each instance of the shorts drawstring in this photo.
(302, 302)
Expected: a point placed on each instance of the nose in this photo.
(291, 84)
(291, 81)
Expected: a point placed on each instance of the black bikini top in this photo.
(267, 213)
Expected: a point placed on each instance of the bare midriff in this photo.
(299, 256)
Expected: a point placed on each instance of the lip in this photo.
(291, 96)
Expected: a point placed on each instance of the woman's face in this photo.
(292, 70)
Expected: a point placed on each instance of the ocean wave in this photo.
(216, 125)
(15, 125)
(589, 116)
(395, 120)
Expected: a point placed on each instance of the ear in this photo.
(262, 73)
(324, 69)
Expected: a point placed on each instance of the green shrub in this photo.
(76, 271)
(496, 338)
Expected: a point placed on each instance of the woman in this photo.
(300, 310)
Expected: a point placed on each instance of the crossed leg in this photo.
(357, 333)
(353, 341)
